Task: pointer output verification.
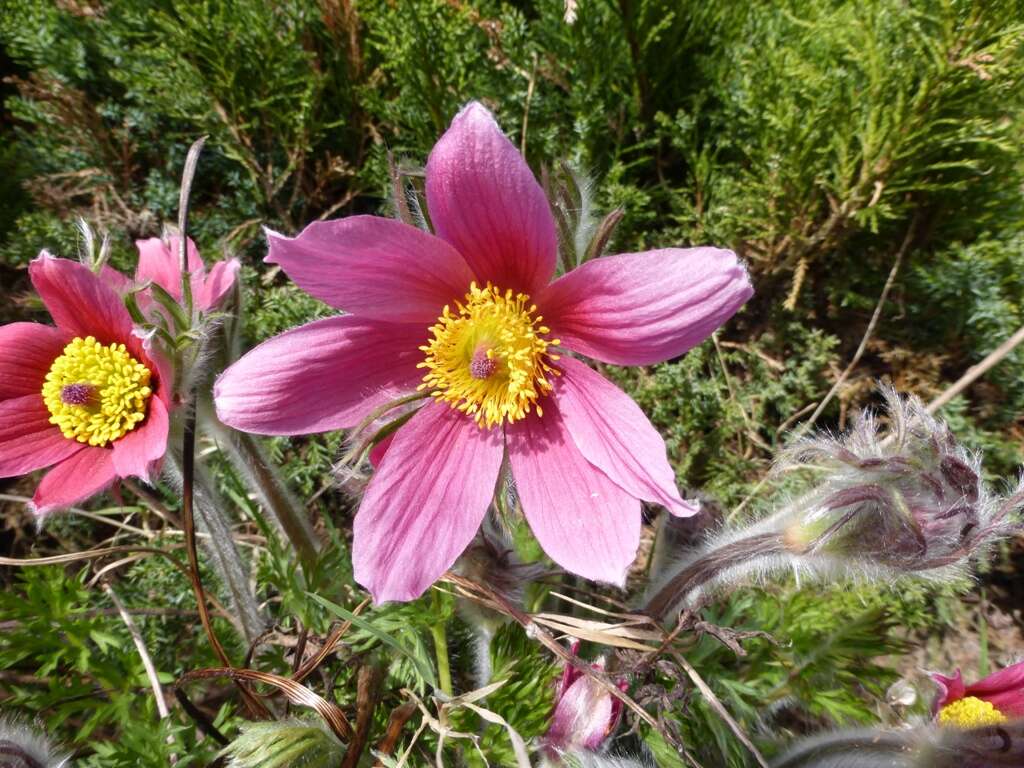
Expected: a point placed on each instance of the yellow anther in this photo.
(487, 358)
(970, 712)
(96, 393)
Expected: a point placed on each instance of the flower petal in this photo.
(950, 689)
(137, 453)
(28, 440)
(643, 308)
(27, 350)
(583, 717)
(79, 301)
(1005, 689)
(584, 521)
(214, 287)
(326, 375)
(484, 200)
(159, 263)
(119, 282)
(379, 450)
(425, 503)
(374, 267)
(1010, 678)
(614, 435)
(74, 480)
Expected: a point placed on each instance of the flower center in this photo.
(96, 393)
(489, 357)
(970, 712)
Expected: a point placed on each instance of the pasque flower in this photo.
(159, 263)
(585, 712)
(470, 315)
(82, 396)
(990, 701)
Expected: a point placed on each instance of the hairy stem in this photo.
(259, 473)
(709, 566)
(222, 554)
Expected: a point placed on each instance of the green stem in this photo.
(439, 632)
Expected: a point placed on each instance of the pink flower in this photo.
(83, 397)
(992, 700)
(585, 713)
(472, 316)
(160, 263)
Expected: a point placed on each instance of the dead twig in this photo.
(719, 708)
(147, 661)
(872, 324)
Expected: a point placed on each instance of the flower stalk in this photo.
(439, 633)
(223, 556)
(260, 474)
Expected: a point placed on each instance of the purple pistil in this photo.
(77, 394)
(481, 366)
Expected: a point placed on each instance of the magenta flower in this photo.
(471, 316)
(83, 397)
(585, 713)
(160, 263)
(990, 701)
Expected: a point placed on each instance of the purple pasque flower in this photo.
(990, 701)
(473, 317)
(585, 713)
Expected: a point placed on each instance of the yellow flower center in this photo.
(489, 357)
(970, 712)
(96, 393)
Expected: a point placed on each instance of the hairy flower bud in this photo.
(23, 747)
(585, 712)
(912, 502)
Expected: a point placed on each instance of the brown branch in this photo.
(872, 324)
(719, 708)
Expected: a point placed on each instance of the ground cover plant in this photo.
(715, 309)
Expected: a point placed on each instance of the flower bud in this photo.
(585, 712)
(911, 501)
(24, 747)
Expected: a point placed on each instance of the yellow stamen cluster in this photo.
(489, 357)
(970, 712)
(96, 393)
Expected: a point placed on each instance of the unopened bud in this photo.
(22, 746)
(585, 713)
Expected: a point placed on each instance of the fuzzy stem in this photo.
(262, 477)
(709, 566)
(439, 632)
(894, 748)
(220, 548)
